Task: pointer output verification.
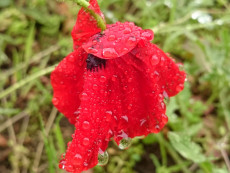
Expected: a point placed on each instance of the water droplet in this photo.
(95, 87)
(148, 34)
(127, 30)
(125, 118)
(103, 158)
(86, 164)
(85, 125)
(179, 87)
(55, 101)
(102, 79)
(164, 118)
(69, 168)
(154, 60)
(86, 141)
(125, 49)
(109, 52)
(125, 143)
(131, 40)
(108, 115)
(92, 50)
(157, 127)
(114, 78)
(84, 96)
(130, 80)
(62, 164)
(142, 121)
(130, 106)
(111, 38)
(77, 159)
(166, 97)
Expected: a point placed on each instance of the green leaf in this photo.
(187, 148)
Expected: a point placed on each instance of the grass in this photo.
(35, 36)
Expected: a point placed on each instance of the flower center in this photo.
(93, 63)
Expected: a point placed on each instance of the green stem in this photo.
(100, 21)
(26, 80)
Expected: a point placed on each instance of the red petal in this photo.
(166, 70)
(67, 82)
(86, 25)
(117, 40)
(92, 128)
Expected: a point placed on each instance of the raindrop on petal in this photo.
(111, 38)
(86, 141)
(77, 160)
(62, 164)
(154, 60)
(85, 125)
(109, 52)
(125, 143)
(103, 157)
(127, 30)
(148, 34)
(102, 79)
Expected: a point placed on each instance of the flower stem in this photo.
(100, 21)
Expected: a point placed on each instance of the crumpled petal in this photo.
(86, 25)
(169, 76)
(92, 127)
(117, 40)
(67, 82)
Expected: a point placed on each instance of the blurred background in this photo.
(35, 35)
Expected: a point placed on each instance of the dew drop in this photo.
(130, 80)
(179, 87)
(86, 141)
(166, 97)
(92, 50)
(114, 78)
(69, 168)
(85, 125)
(95, 87)
(125, 143)
(130, 106)
(142, 121)
(102, 79)
(131, 40)
(125, 118)
(77, 160)
(111, 38)
(109, 52)
(127, 30)
(154, 60)
(148, 34)
(84, 96)
(85, 164)
(103, 157)
(164, 118)
(157, 127)
(55, 101)
(62, 164)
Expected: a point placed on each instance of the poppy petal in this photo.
(67, 82)
(168, 73)
(92, 127)
(86, 25)
(117, 40)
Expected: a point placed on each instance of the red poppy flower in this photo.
(112, 85)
